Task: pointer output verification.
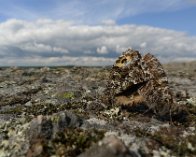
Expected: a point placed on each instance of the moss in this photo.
(192, 109)
(70, 142)
(173, 140)
(191, 120)
(170, 138)
(139, 132)
(14, 110)
(36, 109)
(73, 105)
(44, 109)
(68, 95)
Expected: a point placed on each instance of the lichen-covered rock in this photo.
(110, 146)
(60, 135)
(46, 126)
(192, 101)
(13, 137)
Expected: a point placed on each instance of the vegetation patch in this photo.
(70, 142)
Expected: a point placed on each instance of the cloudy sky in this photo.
(94, 32)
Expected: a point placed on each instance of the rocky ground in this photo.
(57, 112)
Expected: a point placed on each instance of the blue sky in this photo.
(180, 20)
(34, 32)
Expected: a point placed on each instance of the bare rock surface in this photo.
(59, 111)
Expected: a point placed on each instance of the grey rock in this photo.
(110, 146)
(47, 126)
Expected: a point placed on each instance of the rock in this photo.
(110, 146)
(28, 104)
(46, 126)
(192, 101)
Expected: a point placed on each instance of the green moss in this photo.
(68, 95)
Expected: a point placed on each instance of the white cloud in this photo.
(143, 45)
(102, 50)
(59, 49)
(56, 61)
(60, 42)
(108, 22)
(120, 49)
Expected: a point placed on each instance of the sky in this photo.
(94, 32)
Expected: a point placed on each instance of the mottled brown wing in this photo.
(155, 69)
(156, 91)
(127, 72)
